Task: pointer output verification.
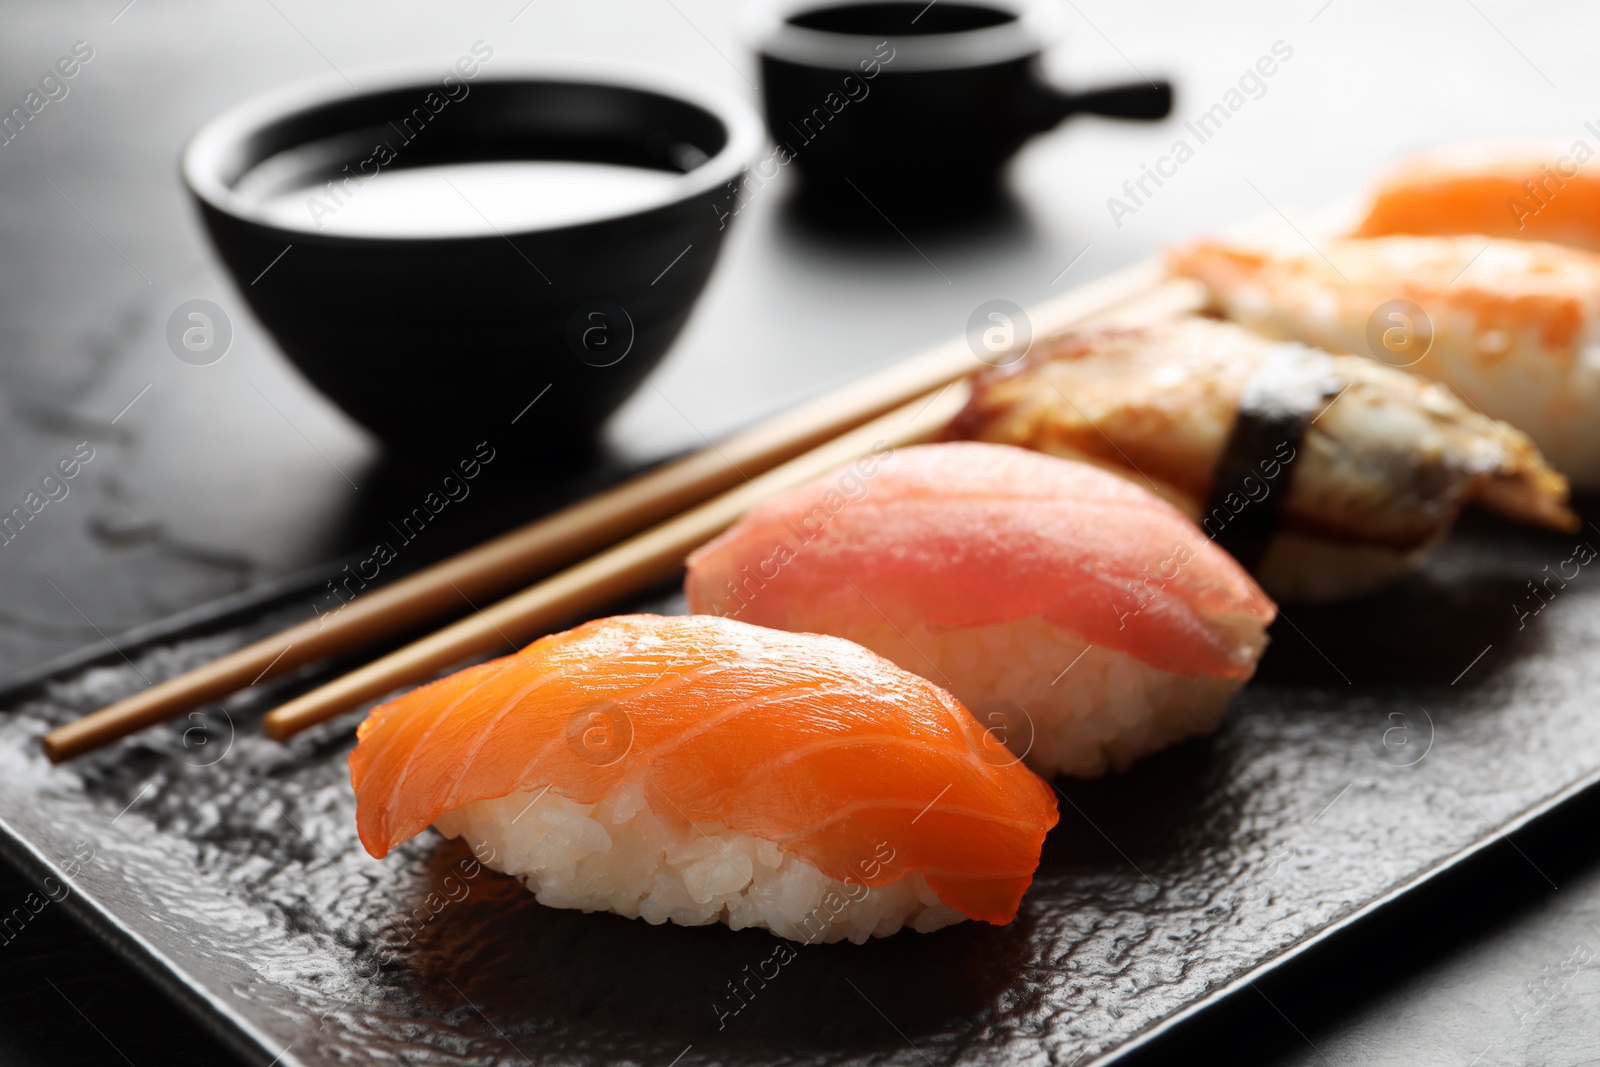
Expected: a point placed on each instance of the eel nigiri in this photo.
(1527, 190)
(696, 770)
(1511, 326)
(1019, 581)
(1325, 475)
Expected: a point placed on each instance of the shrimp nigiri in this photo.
(1326, 475)
(696, 770)
(1512, 326)
(1083, 615)
(1527, 190)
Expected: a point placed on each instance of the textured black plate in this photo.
(1381, 742)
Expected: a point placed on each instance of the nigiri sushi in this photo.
(1082, 615)
(699, 770)
(1526, 190)
(1327, 476)
(1511, 326)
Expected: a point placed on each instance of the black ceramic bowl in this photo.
(434, 332)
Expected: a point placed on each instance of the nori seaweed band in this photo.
(1252, 480)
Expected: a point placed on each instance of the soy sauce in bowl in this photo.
(428, 264)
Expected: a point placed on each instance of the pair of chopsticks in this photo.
(900, 405)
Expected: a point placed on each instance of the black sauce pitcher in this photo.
(910, 109)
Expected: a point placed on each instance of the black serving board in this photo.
(1382, 742)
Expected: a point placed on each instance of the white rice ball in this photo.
(617, 856)
(1060, 704)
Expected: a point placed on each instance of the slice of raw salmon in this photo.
(1526, 190)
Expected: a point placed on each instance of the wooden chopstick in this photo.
(603, 579)
(650, 556)
(448, 588)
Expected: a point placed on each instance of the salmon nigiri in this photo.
(1527, 190)
(1083, 615)
(695, 770)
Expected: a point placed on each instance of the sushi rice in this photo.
(617, 856)
(1084, 709)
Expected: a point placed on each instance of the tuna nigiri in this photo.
(1527, 190)
(1326, 475)
(1512, 326)
(1083, 615)
(696, 770)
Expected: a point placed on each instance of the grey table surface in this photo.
(208, 480)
